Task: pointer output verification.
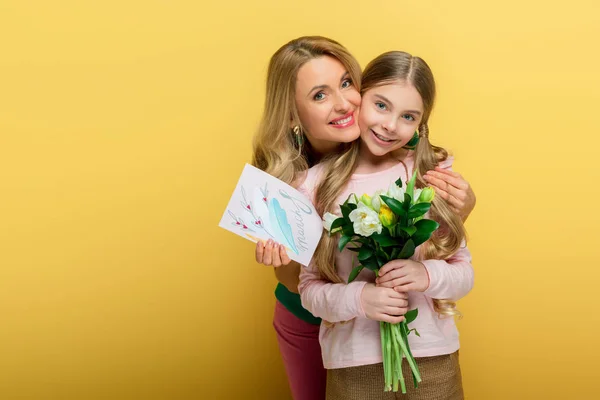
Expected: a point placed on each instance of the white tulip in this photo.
(396, 192)
(328, 219)
(416, 194)
(376, 200)
(365, 220)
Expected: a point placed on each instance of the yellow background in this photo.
(124, 126)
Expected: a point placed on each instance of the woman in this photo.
(311, 110)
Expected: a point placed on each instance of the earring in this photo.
(298, 136)
(412, 143)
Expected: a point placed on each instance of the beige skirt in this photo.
(441, 380)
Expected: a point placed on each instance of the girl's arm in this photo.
(337, 302)
(333, 302)
(448, 279)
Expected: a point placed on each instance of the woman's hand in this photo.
(271, 254)
(453, 188)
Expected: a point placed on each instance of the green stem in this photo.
(398, 361)
(404, 331)
(394, 364)
(388, 357)
(383, 334)
(403, 340)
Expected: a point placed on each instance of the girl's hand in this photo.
(383, 304)
(271, 254)
(403, 276)
(453, 188)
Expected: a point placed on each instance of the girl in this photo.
(398, 92)
(311, 110)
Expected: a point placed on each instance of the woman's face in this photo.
(390, 114)
(328, 103)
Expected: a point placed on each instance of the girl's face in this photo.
(390, 114)
(328, 103)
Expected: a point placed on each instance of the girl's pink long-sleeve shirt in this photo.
(348, 338)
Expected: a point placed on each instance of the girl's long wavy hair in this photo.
(275, 148)
(385, 69)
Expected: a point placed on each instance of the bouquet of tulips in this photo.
(380, 228)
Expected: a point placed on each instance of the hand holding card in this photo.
(263, 207)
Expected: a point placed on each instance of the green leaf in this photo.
(348, 199)
(363, 240)
(384, 240)
(399, 182)
(418, 209)
(407, 202)
(395, 253)
(415, 331)
(364, 253)
(344, 241)
(407, 251)
(408, 229)
(411, 183)
(337, 223)
(394, 205)
(355, 271)
(382, 257)
(411, 315)
(370, 263)
(398, 232)
(348, 230)
(345, 208)
(425, 228)
(429, 225)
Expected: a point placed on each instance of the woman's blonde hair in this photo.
(276, 150)
(387, 68)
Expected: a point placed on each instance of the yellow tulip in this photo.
(386, 216)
